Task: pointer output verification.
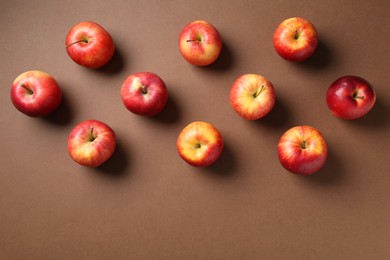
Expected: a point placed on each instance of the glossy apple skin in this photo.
(200, 43)
(35, 93)
(350, 97)
(144, 94)
(302, 150)
(295, 39)
(91, 143)
(89, 45)
(200, 144)
(252, 96)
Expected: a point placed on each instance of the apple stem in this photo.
(29, 91)
(83, 40)
(355, 95)
(304, 145)
(91, 137)
(144, 90)
(197, 146)
(296, 35)
(258, 91)
(194, 40)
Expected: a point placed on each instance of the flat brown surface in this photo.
(145, 202)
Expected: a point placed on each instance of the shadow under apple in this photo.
(226, 165)
(279, 117)
(115, 65)
(378, 117)
(332, 173)
(171, 113)
(63, 115)
(117, 165)
(321, 58)
(225, 60)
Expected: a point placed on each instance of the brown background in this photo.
(145, 202)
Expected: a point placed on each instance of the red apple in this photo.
(302, 150)
(144, 93)
(200, 43)
(252, 96)
(91, 143)
(295, 39)
(89, 45)
(36, 93)
(200, 144)
(350, 97)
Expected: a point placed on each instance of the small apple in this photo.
(200, 144)
(200, 43)
(302, 150)
(350, 97)
(91, 143)
(144, 94)
(89, 45)
(252, 96)
(36, 93)
(295, 39)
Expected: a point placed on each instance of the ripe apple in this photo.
(91, 143)
(295, 39)
(200, 43)
(144, 93)
(350, 97)
(252, 96)
(36, 93)
(302, 150)
(200, 144)
(89, 45)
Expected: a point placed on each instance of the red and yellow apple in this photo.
(89, 45)
(35, 93)
(144, 93)
(200, 43)
(350, 97)
(91, 143)
(295, 39)
(302, 150)
(200, 144)
(252, 96)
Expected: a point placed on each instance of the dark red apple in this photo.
(350, 97)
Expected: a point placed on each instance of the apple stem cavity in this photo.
(258, 91)
(144, 90)
(197, 146)
(356, 95)
(304, 144)
(91, 136)
(29, 91)
(296, 35)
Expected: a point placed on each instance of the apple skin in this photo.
(295, 39)
(350, 97)
(89, 45)
(200, 144)
(200, 43)
(302, 150)
(144, 94)
(252, 96)
(36, 93)
(91, 143)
